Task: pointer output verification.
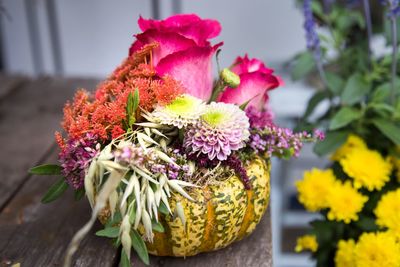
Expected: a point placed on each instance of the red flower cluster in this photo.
(103, 114)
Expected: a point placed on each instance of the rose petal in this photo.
(192, 67)
(252, 86)
(169, 42)
(189, 25)
(245, 65)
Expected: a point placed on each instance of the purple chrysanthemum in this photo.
(75, 158)
(222, 128)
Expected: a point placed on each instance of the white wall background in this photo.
(94, 35)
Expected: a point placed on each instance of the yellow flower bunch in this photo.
(319, 189)
(372, 250)
(345, 253)
(377, 250)
(352, 142)
(306, 242)
(387, 212)
(313, 189)
(345, 202)
(367, 168)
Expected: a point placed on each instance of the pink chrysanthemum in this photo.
(222, 128)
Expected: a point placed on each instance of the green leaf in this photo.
(335, 83)
(112, 221)
(381, 93)
(366, 223)
(79, 194)
(132, 215)
(111, 232)
(131, 107)
(55, 191)
(157, 226)
(317, 98)
(129, 104)
(46, 169)
(343, 117)
(356, 88)
(332, 141)
(124, 262)
(303, 65)
(389, 129)
(135, 100)
(163, 209)
(140, 247)
(383, 109)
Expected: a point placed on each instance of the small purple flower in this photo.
(75, 158)
(259, 119)
(318, 134)
(394, 8)
(310, 27)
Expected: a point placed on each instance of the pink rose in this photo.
(183, 51)
(255, 82)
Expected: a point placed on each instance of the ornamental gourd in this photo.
(221, 214)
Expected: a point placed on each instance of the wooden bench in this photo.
(34, 234)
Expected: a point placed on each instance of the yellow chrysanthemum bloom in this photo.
(387, 212)
(377, 250)
(345, 202)
(345, 253)
(353, 141)
(306, 242)
(314, 188)
(367, 168)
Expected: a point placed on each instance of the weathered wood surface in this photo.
(34, 234)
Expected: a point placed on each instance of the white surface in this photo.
(96, 34)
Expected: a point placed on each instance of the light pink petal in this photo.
(169, 42)
(189, 25)
(252, 86)
(193, 68)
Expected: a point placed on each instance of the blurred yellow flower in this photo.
(345, 202)
(353, 141)
(367, 168)
(314, 188)
(377, 250)
(387, 212)
(345, 253)
(306, 242)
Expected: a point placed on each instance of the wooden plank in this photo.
(254, 250)
(9, 83)
(28, 118)
(36, 234)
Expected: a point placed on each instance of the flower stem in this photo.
(367, 14)
(320, 68)
(394, 58)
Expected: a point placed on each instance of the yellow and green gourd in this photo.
(220, 215)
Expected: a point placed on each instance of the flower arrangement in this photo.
(358, 195)
(171, 162)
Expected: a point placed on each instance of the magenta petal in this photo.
(189, 25)
(252, 86)
(245, 65)
(169, 42)
(193, 68)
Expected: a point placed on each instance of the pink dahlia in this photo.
(222, 128)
